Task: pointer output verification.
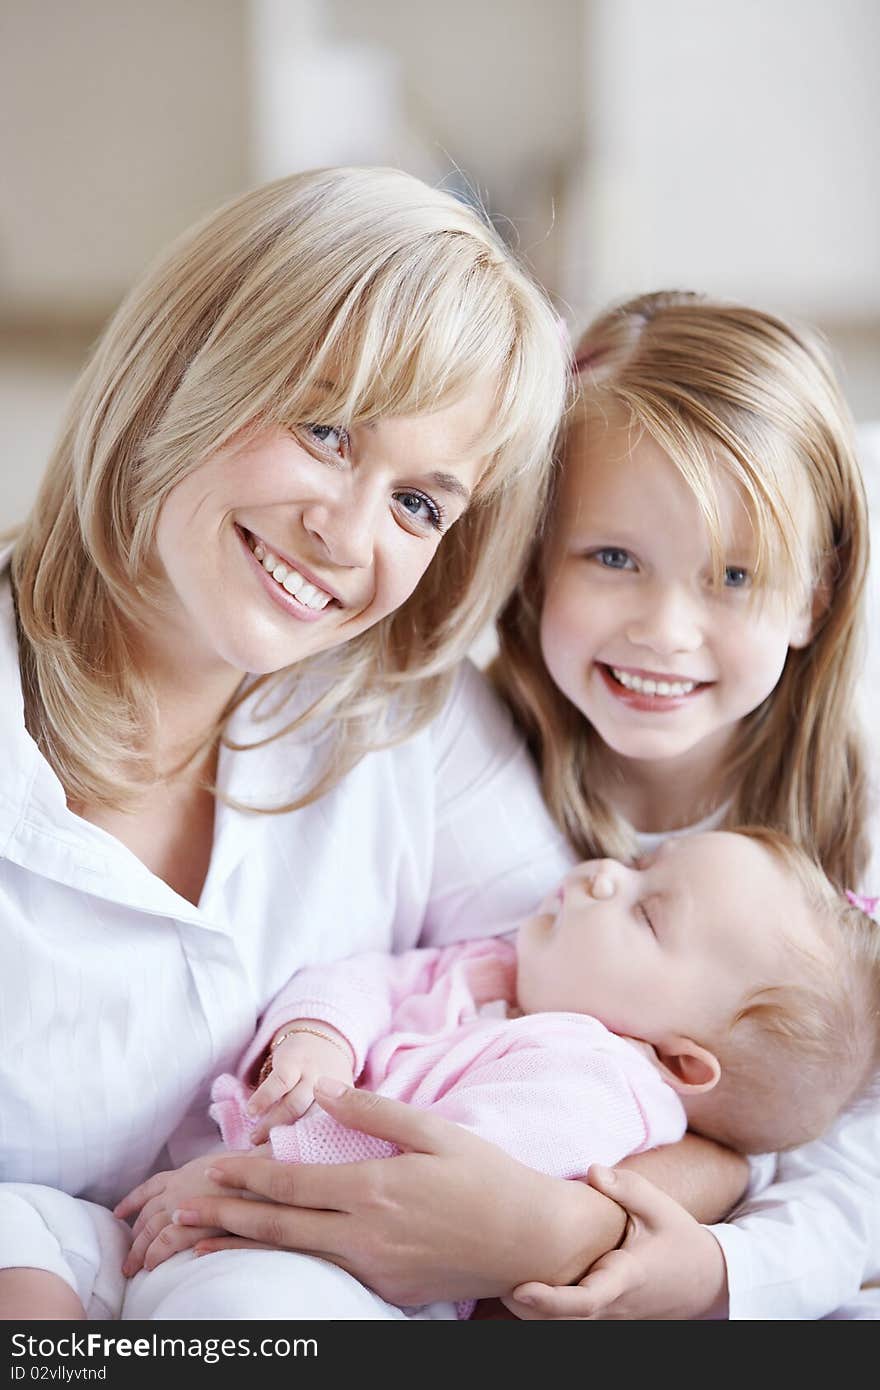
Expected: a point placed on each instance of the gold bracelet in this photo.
(288, 1032)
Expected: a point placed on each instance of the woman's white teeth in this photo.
(645, 686)
(290, 579)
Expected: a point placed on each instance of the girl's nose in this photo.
(666, 623)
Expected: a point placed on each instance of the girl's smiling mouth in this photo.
(649, 690)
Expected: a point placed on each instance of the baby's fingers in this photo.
(153, 1212)
(146, 1232)
(135, 1199)
(288, 1110)
(173, 1239)
(271, 1091)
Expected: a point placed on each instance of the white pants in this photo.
(41, 1228)
(84, 1244)
(248, 1285)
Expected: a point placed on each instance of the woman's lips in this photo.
(285, 601)
(255, 541)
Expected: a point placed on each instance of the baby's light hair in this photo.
(339, 295)
(723, 386)
(802, 1051)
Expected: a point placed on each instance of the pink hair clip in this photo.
(588, 358)
(868, 905)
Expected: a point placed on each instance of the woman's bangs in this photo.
(399, 353)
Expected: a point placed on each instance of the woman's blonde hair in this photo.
(339, 295)
(719, 385)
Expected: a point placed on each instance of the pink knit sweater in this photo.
(558, 1091)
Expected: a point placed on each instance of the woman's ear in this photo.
(689, 1068)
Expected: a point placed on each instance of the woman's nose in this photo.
(666, 622)
(344, 522)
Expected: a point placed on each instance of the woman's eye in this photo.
(735, 577)
(422, 509)
(333, 438)
(612, 558)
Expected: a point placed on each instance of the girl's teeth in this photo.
(307, 594)
(645, 686)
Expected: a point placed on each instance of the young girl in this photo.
(296, 479)
(682, 654)
(633, 1001)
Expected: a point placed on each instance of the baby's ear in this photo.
(689, 1068)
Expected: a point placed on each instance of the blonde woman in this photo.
(317, 391)
(296, 479)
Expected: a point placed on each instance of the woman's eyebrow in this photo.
(447, 482)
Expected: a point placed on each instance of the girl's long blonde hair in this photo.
(722, 385)
(361, 289)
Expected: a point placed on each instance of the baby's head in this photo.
(755, 985)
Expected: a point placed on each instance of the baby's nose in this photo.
(602, 885)
(602, 882)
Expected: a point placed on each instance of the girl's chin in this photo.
(645, 747)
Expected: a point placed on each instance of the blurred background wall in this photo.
(620, 144)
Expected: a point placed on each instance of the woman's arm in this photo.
(704, 1178)
(416, 1227)
(668, 1265)
(797, 1251)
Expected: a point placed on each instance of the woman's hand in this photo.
(668, 1265)
(156, 1233)
(450, 1217)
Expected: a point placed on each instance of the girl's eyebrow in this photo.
(596, 528)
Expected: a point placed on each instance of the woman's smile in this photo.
(285, 583)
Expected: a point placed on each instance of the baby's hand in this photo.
(156, 1234)
(302, 1052)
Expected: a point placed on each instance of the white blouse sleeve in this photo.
(803, 1247)
(496, 849)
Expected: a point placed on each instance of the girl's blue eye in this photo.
(331, 437)
(422, 509)
(612, 558)
(735, 577)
